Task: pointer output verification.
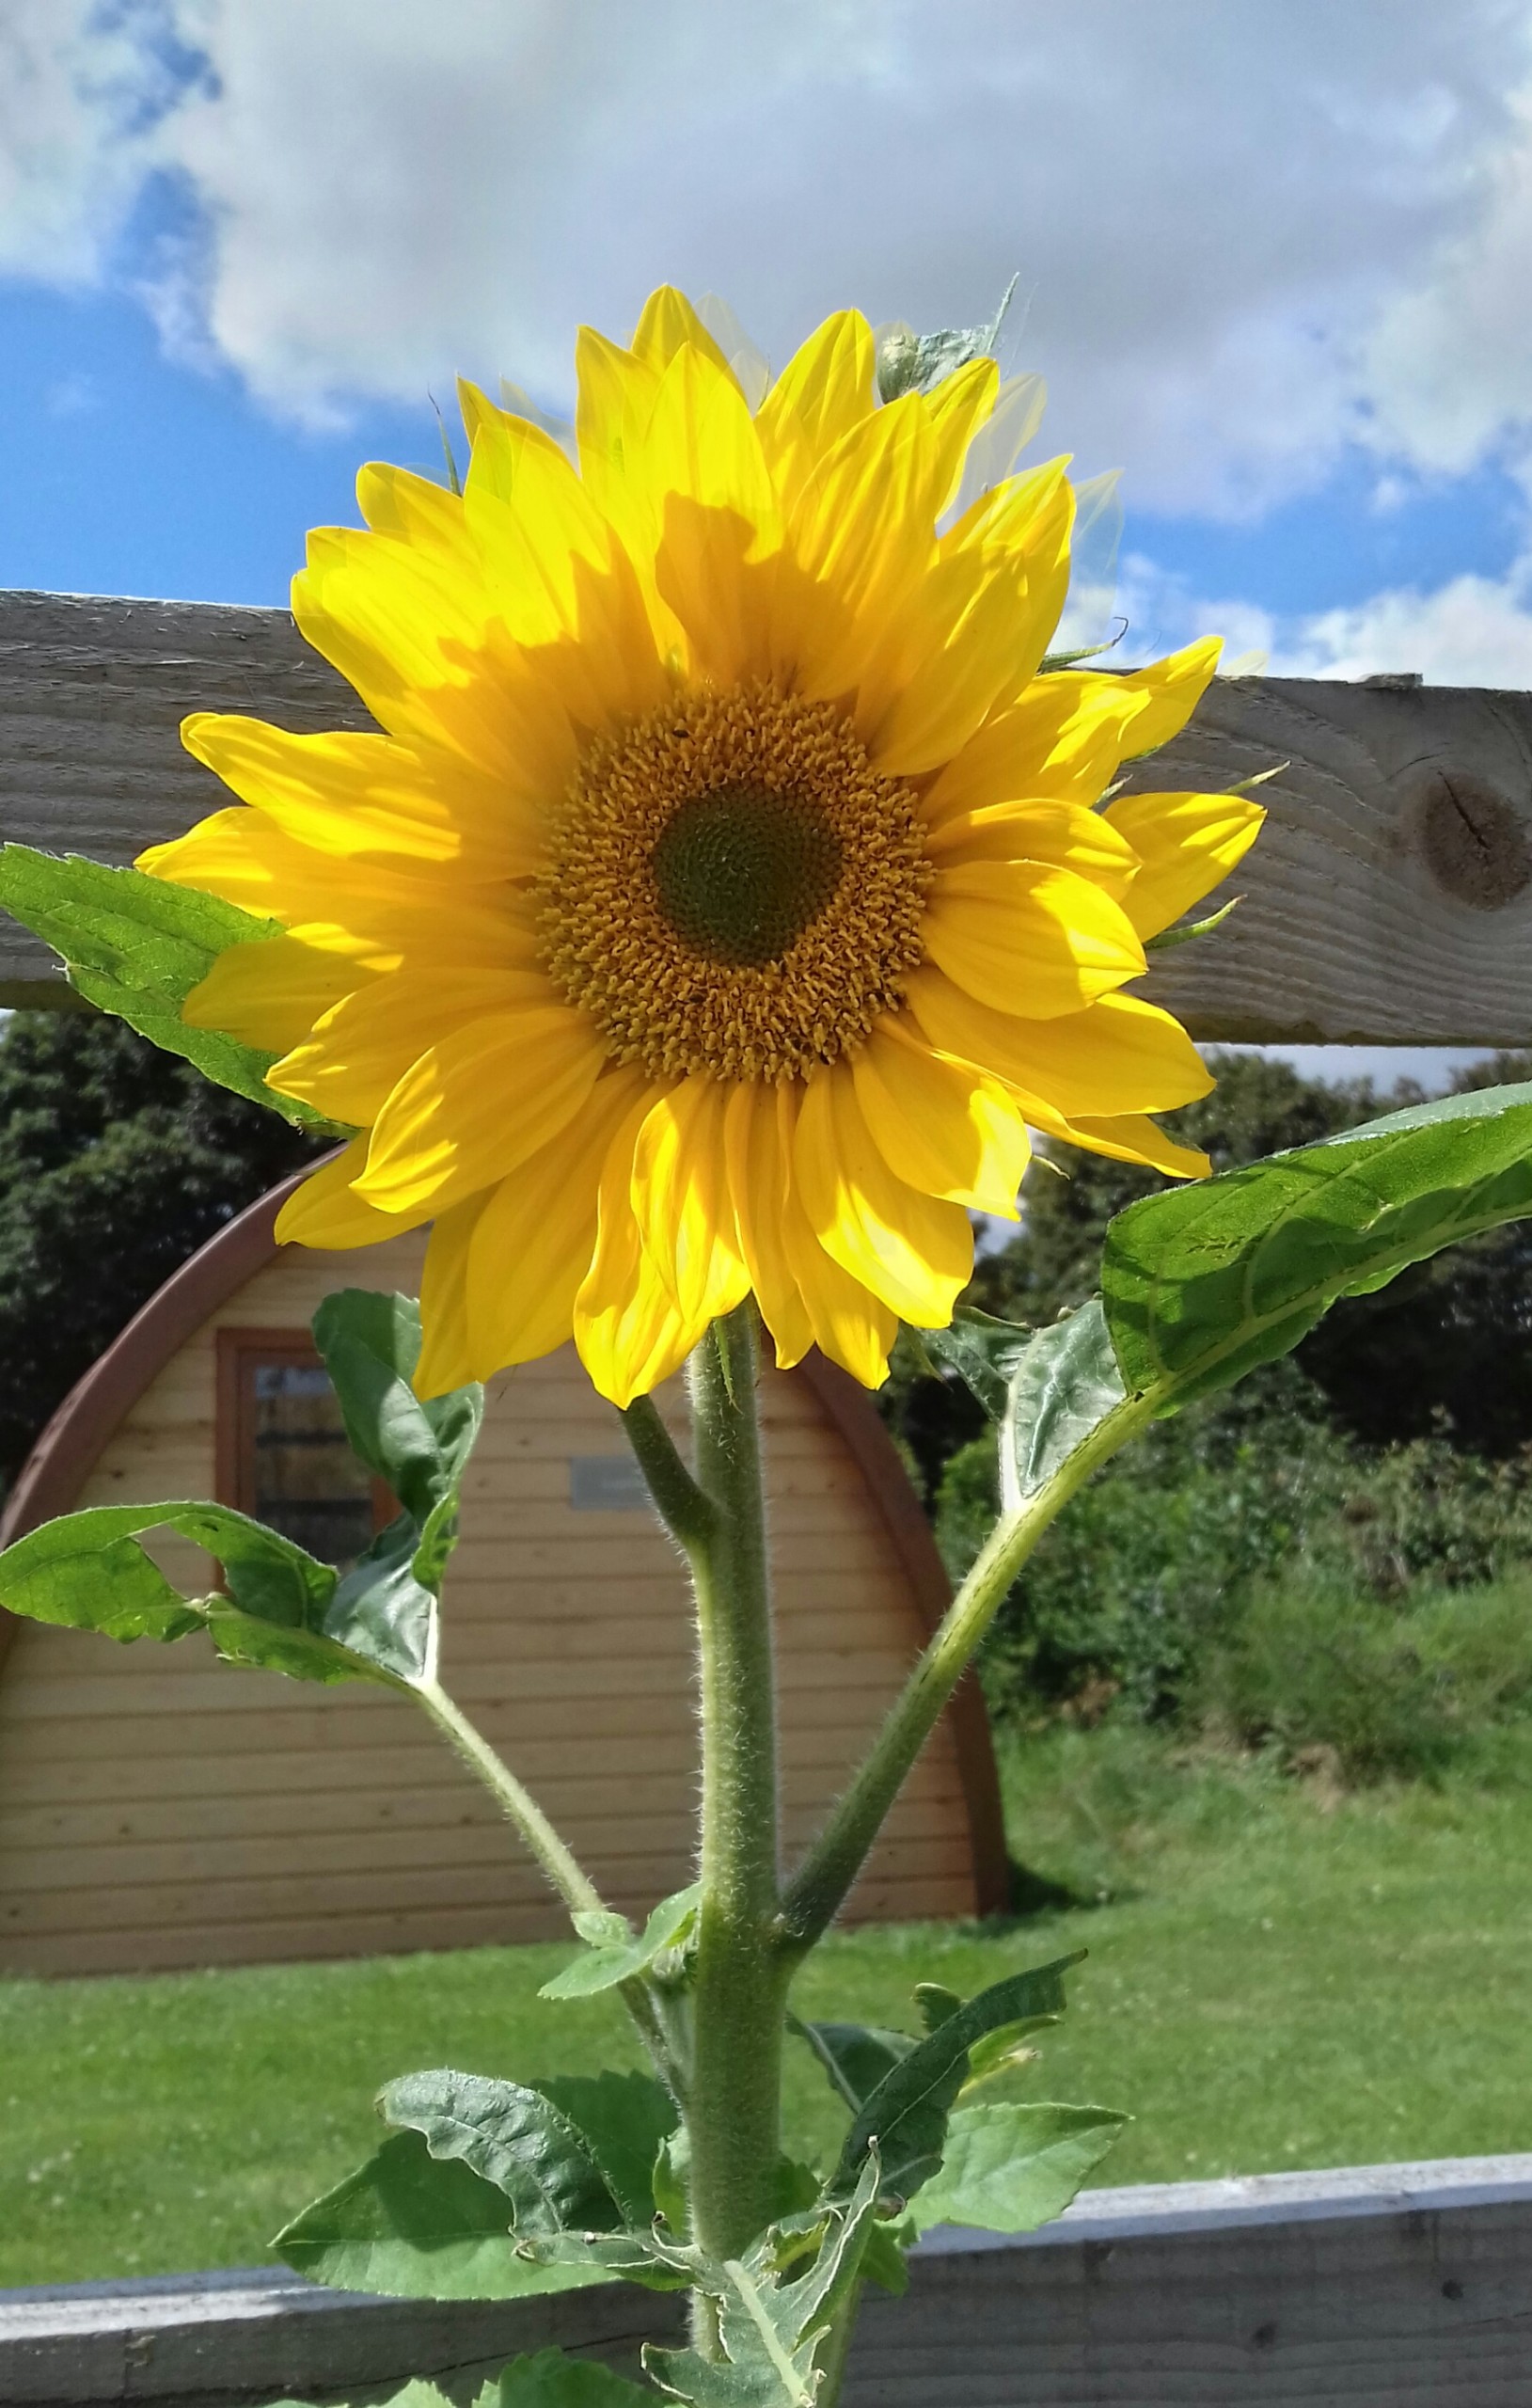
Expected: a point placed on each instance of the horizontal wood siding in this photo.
(160, 1808)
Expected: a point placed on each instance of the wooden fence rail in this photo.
(1375, 2286)
(1390, 902)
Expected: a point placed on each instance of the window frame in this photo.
(239, 1350)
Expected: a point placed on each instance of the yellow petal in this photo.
(447, 1353)
(270, 993)
(348, 795)
(1168, 691)
(681, 1199)
(940, 1124)
(719, 526)
(758, 1127)
(531, 1246)
(1119, 1056)
(914, 1252)
(825, 390)
(861, 536)
(351, 1061)
(629, 1330)
(668, 324)
(326, 1211)
(849, 1324)
(1187, 843)
(1056, 741)
(1063, 833)
(1129, 1137)
(1029, 939)
(419, 512)
(475, 1107)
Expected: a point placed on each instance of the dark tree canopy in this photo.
(1445, 1348)
(116, 1161)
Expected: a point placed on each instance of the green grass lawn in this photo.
(1275, 1978)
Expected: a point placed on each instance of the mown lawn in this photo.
(1275, 1978)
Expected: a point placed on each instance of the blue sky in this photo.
(1273, 265)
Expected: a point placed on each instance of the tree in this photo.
(116, 1162)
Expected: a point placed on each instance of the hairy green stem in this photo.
(739, 1984)
(819, 1888)
(556, 1861)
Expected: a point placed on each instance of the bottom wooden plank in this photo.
(1382, 2287)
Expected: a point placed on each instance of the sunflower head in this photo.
(725, 893)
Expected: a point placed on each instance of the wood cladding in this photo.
(158, 1809)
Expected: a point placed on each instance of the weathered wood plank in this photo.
(1378, 2286)
(1389, 901)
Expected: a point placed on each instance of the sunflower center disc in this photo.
(741, 872)
(732, 888)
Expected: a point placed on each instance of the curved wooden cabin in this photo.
(159, 1809)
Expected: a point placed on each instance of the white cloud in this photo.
(81, 86)
(1468, 631)
(1222, 216)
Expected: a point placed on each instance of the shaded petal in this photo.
(758, 1126)
(681, 1199)
(825, 390)
(861, 536)
(326, 1211)
(630, 1332)
(447, 1351)
(346, 794)
(476, 1107)
(849, 1324)
(1122, 1055)
(941, 1124)
(914, 1252)
(350, 1062)
(1063, 834)
(1187, 843)
(531, 1246)
(720, 528)
(1028, 938)
(270, 993)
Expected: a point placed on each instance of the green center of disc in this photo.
(741, 872)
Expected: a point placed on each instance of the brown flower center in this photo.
(732, 888)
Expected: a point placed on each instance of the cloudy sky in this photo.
(1274, 264)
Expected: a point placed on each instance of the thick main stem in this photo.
(740, 1982)
(822, 1882)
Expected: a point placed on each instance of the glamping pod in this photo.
(160, 1808)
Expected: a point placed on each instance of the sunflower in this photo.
(725, 895)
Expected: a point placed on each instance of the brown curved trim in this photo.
(73, 1443)
(855, 1416)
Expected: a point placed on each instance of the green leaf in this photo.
(513, 2137)
(136, 946)
(904, 2119)
(1202, 1283)
(371, 1343)
(983, 1351)
(283, 1611)
(628, 2119)
(552, 2381)
(1010, 2169)
(854, 2056)
(1065, 1384)
(770, 2329)
(608, 1960)
(646, 2258)
(414, 2227)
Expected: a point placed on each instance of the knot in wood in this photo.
(1475, 842)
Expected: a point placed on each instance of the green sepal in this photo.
(136, 946)
(904, 2121)
(1185, 930)
(284, 1612)
(613, 1955)
(1008, 2168)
